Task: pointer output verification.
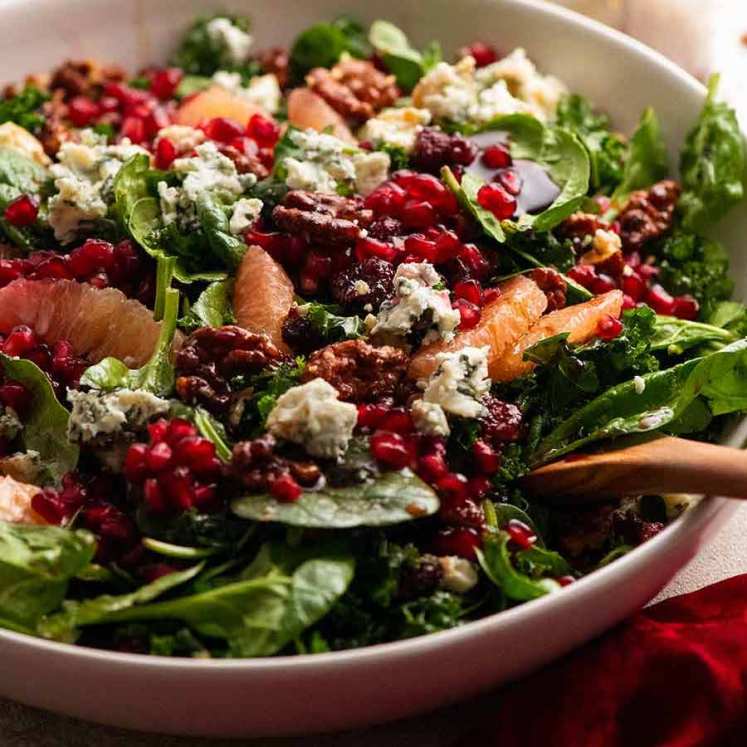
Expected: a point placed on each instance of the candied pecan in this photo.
(580, 225)
(363, 286)
(83, 77)
(255, 465)
(551, 283)
(55, 130)
(275, 60)
(354, 88)
(323, 219)
(580, 531)
(360, 372)
(212, 355)
(245, 163)
(501, 421)
(648, 214)
(299, 333)
(435, 149)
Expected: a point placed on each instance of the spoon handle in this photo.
(661, 466)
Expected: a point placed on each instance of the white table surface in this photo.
(726, 556)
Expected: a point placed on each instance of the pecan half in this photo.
(354, 88)
(55, 130)
(246, 163)
(275, 60)
(551, 283)
(322, 219)
(648, 215)
(84, 77)
(360, 372)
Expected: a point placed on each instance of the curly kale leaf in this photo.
(24, 109)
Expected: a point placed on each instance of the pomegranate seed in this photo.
(153, 571)
(194, 451)
(473, 258)
(469, 290)
(686, 307)
(108, 104)
(285, 489)
(388, 199)
(484, 54)
(493, 197)
(391, 450)
(158, 457)
(660, 301)
(565, 580)
(15, 396)
(628, 302)
(163, 83)
(633, 284)
(609, 327)
(397, 421)
(421, 247)
(155, 120)
(135, 467)
(22, 211)
(263, 131)
(447, 246)
(223, 129)
(177, 485)
(584, 275)
(133, 128)
(165, 153)
(487, 459)
(432, 467)
(154, 495)
(510, 180)
(82, 111)
(489, 295)
(478, 486)
(94, 254)
(453, 487)
(21, 340)
(603, 284)
(176, 430)
(204, 496)
(49, 507)
(418, 214)
(521, 534)
(469, 314)
(371, 416)
(648, 271)
(367, 247)
(460, 541)
(245, 145)
(496, 157)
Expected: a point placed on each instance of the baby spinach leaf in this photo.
(675, 336)
(606, 149)
(130, 185)
(212, 429)
(212, 307)
(322, 45)
(495, 559)
(24, 108)
(390, 498)
(647, 160)
(64, 625)
(655, 401)
(21, 173)
(45, 425)
(225, 247)
(712, 165)
(407, 64)
(36, 564)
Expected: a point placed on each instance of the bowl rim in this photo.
(689, 523)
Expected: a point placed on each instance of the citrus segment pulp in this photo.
(307, 110)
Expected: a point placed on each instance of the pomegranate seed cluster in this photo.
(176, 470)
(97, 262)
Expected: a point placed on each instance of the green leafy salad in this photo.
(281, 331)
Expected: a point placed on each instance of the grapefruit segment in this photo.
(501, 324)
(15, 502)
(216, 102)
(263, 295)
(98, 322)
(307, 110)
(580, 321)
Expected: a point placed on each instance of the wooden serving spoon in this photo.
(659, 466)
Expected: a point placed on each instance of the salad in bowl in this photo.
(283, 329)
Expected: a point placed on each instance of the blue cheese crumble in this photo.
(98, 415)
(233, 41)
(460, 382)
(417, 298)
(263, 90)
(84, 178)
(312, 416)
(429, 418)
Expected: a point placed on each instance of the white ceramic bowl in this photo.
(342, 690)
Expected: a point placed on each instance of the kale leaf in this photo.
(24, 109)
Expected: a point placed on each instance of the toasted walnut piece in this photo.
(55, 130)
(275, 60)
(210, 356)
(551, 283)
(580, 225)
(84, 77)
(245, 163)
(648, 215)
(354, 88)
(360, 372)
(255, 465)
(322, 219)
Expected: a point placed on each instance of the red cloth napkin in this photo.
(673, 676)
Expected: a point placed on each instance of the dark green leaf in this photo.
(322, 45)
(130, 185)
(391, 498)
(712, 165)
(675, 336)
(213, 430)
(329, 326)
(647, 160)
(655, 402)
(36, 564)
(45, 425)
(225, 247)
(190, 84)
(24, 109)
(407, 64)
